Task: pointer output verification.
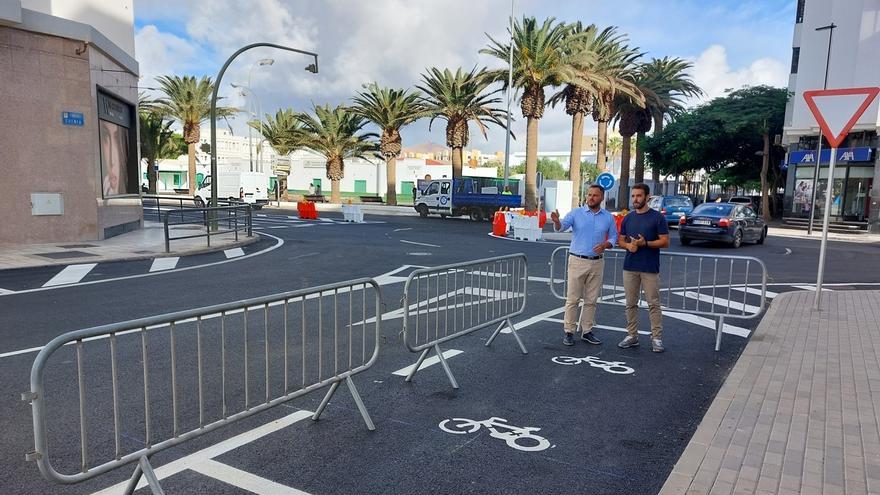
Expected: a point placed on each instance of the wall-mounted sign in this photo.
(808, 157)
(73, 118)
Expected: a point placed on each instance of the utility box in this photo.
(47, 204)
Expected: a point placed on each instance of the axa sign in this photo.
(808, 157)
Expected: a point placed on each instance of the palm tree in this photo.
(188, 100)
(613, 148)
(616, 64)
(543, 55)
(390, 109)
(670, 82)
(459, 98)
(155, 140)
(631, 119)
(333, 132)
(284, 134)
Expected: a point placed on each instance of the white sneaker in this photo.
(656, 345)
(629, 341)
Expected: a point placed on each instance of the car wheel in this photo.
(763, 236)
(684, 241)
(199, 203)
(476, 215)
(423, 210)
(737, 239)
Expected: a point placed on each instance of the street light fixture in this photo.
(245, 92)
(830, 29)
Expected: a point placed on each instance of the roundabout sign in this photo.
(606, 181)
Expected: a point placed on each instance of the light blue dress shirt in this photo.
(589, 229)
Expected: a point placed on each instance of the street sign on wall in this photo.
(73, 118)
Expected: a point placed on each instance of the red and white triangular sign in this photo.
(837, 110)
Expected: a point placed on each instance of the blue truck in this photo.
(469, 196)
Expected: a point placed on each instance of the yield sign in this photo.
(837, 110)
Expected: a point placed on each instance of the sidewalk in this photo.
(799, 411)
(817, 235)
(145, 243)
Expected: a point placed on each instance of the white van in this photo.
(245, 187)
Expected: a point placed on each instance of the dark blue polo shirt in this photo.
(651, 225)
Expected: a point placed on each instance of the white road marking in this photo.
(277, 227)
(811, 288)
(708, 323)
(234, 252)
(128, 277)
(6, 291)
(71, 274)
(718, 301)
(213, 451)
(304, 225)
(535, 319)
(243, 479)
(787, 251)
(427, 362)
(752, 290)
(419, 243)
(401, 230)
(160, 264)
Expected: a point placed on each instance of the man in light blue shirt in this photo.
(593, 231)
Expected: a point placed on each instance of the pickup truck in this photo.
(465, 196)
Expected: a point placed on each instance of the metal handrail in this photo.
(304, 298)
(504, 278)
(701, 292)
(209, 219)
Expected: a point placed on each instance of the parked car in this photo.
(725, 222)
(672, 207)
(742, 200)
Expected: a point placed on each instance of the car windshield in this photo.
(714, 209)
(678, 202)
(740, 200)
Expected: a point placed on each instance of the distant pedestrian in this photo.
(643, 233)
(593, 231)
(507, 190)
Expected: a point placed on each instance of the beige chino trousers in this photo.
(584, 282)
(633, 283)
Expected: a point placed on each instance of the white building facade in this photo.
(849, 60)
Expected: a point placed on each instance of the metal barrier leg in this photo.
(718, 333)
(360, 404)
(416, 366)
(445, 366)
(326, 400)
(512, 330)
(144, 468)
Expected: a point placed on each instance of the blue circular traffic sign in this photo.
(605, 180)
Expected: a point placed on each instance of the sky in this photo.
(730, 43)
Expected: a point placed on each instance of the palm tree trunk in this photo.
(602, 145)
(640, 158)
(531, 164)
(191, 150)
(151, 176)
(282, 183)
(765, 165)
(658, 128)
(391, 181)
(335, 193)
(456, 163)
(574, 160)
(623, 188)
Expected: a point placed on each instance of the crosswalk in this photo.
(263, 222)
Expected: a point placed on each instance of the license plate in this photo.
(702, 222)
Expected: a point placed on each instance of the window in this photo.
(119, 167)
(444, 188)
(434, 188)
(360, 186)
(795, 57)
(799, 16)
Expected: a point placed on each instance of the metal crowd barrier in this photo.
(183, 202)
(714, 286)
(446, 302)
(216, 221)
(135, 388)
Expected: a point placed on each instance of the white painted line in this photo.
(71, 274)
(277, 227)
(401, 230)
(6, 291)
(234, 252)
(419, 243)
(534, 319)
(724, 303)
(160, 264)
(428, 362)
(811, 288)
(787, 251)
(752, 290)
(304, 225)
(243, 479)
(708, 323)
(213, 451)
(261, 215)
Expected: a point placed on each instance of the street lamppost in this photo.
(261, 62)
(312, 67)
(251, 108)
(509, 97)
(245, 93)
(830, 29)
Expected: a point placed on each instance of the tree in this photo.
(550, 169)
(284, 133)
(589, 171)
(543, 55)
(155, 138)
(460, 98)
(390, 110)
(730, 133)
(336, 134)
(188, 101)
(612, 149)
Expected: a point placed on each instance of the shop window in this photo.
(119, 168)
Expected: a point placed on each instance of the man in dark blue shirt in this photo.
(643, 233)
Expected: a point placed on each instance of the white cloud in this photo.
(161, 53)
(714, 75)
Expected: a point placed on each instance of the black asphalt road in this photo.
(608, 433)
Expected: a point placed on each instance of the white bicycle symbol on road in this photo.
(515, 436)
(615, 367)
